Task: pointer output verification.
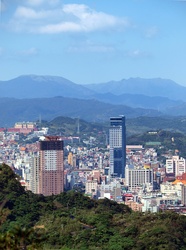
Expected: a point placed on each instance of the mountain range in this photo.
(12, 110)
(149, 87)
(27, 97)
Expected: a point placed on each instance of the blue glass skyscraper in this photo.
(117, 141)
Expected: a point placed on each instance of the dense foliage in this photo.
(73, 221)
(168, 141)
(68, 126)
(145, 123)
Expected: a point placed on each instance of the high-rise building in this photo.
(34, 174)
(176, 165)
(135, 178)
(51, 176)
(117, 141)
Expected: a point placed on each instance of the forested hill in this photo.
(73, 221)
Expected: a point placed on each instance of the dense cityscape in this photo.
(128, 174)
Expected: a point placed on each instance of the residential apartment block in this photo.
(51, 174)
(136, 178)
(176, 166)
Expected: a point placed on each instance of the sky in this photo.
(93, 41)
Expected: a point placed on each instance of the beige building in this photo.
(72, 159)
(28, 125)
(91, 187)
(34, 174)
(134, 205)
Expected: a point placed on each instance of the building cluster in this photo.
(129, 174)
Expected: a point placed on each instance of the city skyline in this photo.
(91, 42)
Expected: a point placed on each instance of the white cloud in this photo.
(66, 18)
(28, 52)
(60, 27)
(151, 32)
(28, 13)
(137, 53)
(89, 19)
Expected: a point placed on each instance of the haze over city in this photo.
(93, 41)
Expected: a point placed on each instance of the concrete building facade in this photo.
(136, 178)
(51, 176)
(176, 166)
(34, 174)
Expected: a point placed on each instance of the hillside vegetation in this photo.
(138, 125)
(69, 126)
(144, 123)
(13, 110)
(167, 141)
(72, 221)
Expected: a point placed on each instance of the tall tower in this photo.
(51, 176)
(117, 139)
(34, 174)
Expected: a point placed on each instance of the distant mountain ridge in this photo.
(149, 87)
(132, 97)
(33, 86)
(13, 110)
(139, 101)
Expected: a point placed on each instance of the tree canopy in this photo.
(72, 221)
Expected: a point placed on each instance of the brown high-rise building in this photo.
(51, 176)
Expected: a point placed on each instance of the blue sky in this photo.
(93, 41)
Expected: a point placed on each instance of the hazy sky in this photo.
(91, 41)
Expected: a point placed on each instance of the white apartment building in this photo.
(170, 166)
(170, 189)
(34, 175)
(176, 165)
(136, 178)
